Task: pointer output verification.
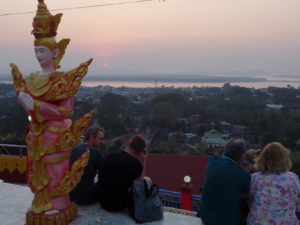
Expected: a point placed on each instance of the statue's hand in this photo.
(26, 101)
(17, 78)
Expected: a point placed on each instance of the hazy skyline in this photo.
(156, 37)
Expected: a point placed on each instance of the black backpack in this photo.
(145, 204)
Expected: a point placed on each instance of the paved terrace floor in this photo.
(16, 199)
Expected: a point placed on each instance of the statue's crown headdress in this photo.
(44, 24)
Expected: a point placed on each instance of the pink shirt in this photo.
(275, 199)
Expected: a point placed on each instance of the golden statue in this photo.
(47, 97)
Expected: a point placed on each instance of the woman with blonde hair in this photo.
(274, 190)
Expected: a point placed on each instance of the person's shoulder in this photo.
(92, 149)
(215, 158)
(122, 157)
(134, 162)
(81, 147)
(256, 174)
(114, 155)
(130, 157)
(240, 172)
(96, 152)
(77, 151)
(87, 147)
(292, 175)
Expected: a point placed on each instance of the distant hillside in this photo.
(4, 88)
(165, 78)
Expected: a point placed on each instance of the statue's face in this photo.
(44, 55)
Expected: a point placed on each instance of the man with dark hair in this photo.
(86, 191)
(225, 182)
(118, 171)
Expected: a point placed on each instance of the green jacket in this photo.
(224, 182)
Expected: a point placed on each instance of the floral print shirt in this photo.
(275, 199)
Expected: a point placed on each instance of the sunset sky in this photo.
(156, 37)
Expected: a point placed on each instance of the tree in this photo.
(163, 115)
(114, 113)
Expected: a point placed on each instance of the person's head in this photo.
(274, 158)
(235, 149)
(94, 136)
(137, 146)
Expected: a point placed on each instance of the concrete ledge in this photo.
(95, 215)
(16, 199)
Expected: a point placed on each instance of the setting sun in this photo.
(104, 65)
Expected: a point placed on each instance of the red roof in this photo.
(168, 170)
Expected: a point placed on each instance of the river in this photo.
(144, 84)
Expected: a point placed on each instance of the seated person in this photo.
(86, 191)
(118, 171)
(274, 190)
(225, 182)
